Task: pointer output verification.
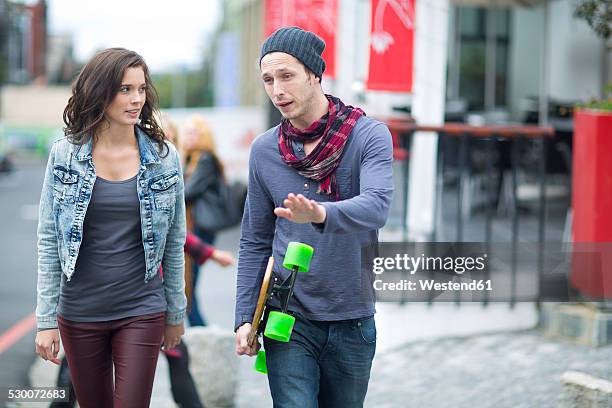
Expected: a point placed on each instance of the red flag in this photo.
(318, 16)
(391, 45)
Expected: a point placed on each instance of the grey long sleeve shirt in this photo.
(339, 284)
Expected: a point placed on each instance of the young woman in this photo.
(203, 172)
(111, 213)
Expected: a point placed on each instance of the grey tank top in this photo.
(108, 282)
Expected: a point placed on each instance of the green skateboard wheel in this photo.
(260, 362)
(279, 326)
(299, 255)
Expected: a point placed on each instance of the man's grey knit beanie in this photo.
(303, 45)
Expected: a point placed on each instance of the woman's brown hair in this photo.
(95, 88)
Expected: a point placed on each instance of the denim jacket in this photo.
(67, 189)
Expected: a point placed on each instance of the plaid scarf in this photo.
(321, 164)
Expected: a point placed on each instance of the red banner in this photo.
(391, 45)
(318, 16)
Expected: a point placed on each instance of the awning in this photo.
(496, 3)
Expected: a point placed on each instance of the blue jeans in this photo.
(325, 364)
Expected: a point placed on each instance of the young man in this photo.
(322, 177)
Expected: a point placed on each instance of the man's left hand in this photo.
(301, 210)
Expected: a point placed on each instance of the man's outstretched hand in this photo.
(301, 210)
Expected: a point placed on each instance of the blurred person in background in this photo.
(112, 212)
(203, 174)
(183, 387)
(223, 258)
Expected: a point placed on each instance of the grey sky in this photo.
(168, 34)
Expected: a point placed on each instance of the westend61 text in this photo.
(430, 284)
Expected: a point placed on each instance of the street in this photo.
(19, 192)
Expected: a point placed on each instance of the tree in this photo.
(598, 15)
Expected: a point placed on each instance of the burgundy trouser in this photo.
(132, 344)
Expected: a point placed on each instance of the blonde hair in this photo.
(204, 144)
(169, 127)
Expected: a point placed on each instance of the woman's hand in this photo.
(172, 335)
(48, 344)
(223, 258)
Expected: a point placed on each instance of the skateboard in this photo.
(278, 325)
(264, 295)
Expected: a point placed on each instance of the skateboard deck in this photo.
(261, 303)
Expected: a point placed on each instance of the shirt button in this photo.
(305, 185)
